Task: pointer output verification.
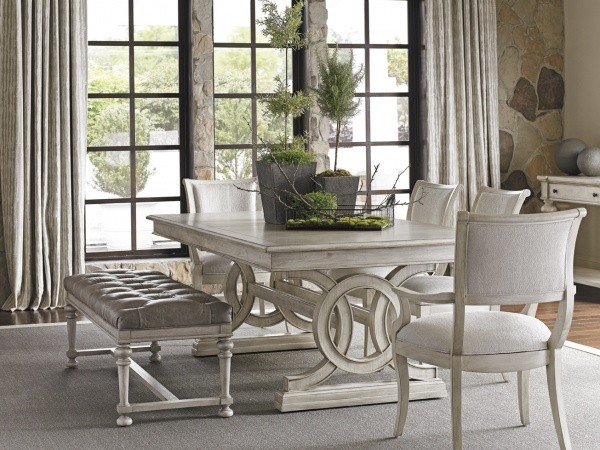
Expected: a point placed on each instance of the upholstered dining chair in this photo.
(217, 196)
(488, 201)
(499, 260)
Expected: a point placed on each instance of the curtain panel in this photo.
(461, 78)
(43, 102)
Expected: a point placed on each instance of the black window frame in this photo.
(185, 146)
(298, 67)
(414, 143)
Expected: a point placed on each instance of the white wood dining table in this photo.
(305, 296)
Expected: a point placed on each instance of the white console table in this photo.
(573, 189)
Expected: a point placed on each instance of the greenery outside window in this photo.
(137, 124)
(245, 70)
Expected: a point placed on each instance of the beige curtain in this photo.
(43, 128)
(461, 75)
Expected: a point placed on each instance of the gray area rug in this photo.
(44, 405)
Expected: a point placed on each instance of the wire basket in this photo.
(342, 218)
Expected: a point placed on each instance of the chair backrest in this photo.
(433, 203)
(499, 202)
(211, 196)
(518, 259)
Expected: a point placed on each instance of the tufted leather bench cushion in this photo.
(144, 299)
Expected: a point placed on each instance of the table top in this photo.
(247, 238)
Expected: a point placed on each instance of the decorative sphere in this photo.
(566, 155)
(588, 162)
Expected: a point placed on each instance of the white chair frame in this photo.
(522, 362)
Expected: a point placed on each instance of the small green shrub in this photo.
(319, 200)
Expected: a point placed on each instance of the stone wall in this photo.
(531, 91)
(319, 125)
(203, 90)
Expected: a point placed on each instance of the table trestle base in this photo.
(355, 394)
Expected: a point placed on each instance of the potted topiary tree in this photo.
(335, 98)
(284, 168)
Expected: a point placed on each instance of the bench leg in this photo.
(155, 349)
(122, 354)
(225, 345)
(71, 332)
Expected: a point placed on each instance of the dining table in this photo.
(327, 313)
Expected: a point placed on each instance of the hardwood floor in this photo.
(585, 328)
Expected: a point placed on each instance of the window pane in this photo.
(108, 227)
(359, 61)
(108, 122)
(270, 63)
(232, 70)
(393, 162)
(158, 173)
(354, 130)
(145, 239)
(157, 69)
(389, 70)
(108, 20)
(157, 121)
(232, 121)
(345, 21)
(389, 119)
(353, 159)
(271, 129)
(143, 233)
(108, 69)
(108, 175)
(232, 164)
(231, 21)
(155, 20)
(388, 21)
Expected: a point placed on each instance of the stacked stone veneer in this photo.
(319, 125)
(531, 91)
(203, 89)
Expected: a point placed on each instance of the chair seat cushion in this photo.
(486, 332)
(144, 299)
(425, 284)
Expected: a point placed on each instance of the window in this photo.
(379, 143)
(245, 69)
(136, 124)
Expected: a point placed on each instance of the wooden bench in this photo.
(147, 306)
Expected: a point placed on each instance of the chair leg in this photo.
(122, 354)
(225, 345)
(71, 333)
(523, 387)
(403, 393)
(155, 348)
(456, 402)
(553, 374)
